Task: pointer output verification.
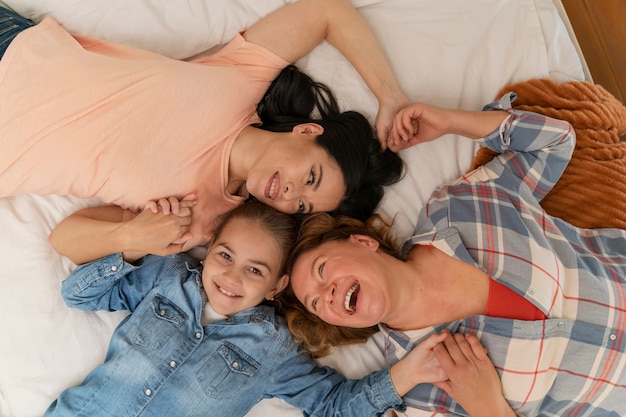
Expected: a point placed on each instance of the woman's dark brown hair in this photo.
(294, 98)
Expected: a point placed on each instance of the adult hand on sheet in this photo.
(418, 123)
(162, 228)
(472, 379)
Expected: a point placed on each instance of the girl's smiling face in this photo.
(242, 267)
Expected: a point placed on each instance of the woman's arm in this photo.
(421, 122)
(91, 233)
(543, 146)
(294, 30)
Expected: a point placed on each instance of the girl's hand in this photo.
(420, 365)
(472, 379)
(171, 204)
(417, 123)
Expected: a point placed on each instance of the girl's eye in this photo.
(314, 304)
(256, 271)
(225, 255)
(312, 177)
(301, 207)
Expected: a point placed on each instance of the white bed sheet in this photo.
(454, 53)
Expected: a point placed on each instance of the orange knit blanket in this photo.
(592, 190)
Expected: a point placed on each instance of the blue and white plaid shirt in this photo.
(573, 363)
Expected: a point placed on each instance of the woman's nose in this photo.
(329, 293)
(291, 191)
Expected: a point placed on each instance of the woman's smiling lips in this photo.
(272, 187)
(350, 299)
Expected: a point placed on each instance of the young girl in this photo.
(202, 339)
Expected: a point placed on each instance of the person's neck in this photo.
(247, 148)
(442, 289)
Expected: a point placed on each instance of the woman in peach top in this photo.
(90, 118)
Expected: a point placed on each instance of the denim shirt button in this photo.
(172, 364)
(235, 364)
(162, 313)
(148, 392)
(114, 268)
(198, 335)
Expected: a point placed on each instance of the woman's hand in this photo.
(387, 111)
(472, 379)
(419, 365)
(93, 232)
(417, 123)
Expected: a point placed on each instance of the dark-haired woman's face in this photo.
(297, 176)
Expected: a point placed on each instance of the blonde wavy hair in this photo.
(314, 334)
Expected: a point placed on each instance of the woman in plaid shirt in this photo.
(546, 298)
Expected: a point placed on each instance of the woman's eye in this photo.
(320, 270)
(225, 255)
(314, 304)
(300, 207)
(311, 179)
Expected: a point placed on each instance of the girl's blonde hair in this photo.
(315, 335)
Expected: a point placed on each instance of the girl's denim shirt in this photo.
(162, 361)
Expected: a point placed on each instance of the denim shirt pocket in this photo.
(158, 322)
(227, 371)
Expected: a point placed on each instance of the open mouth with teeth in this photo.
(349, 301)
(271, 189)
(226, 292)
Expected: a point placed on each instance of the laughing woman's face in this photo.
(342, 282)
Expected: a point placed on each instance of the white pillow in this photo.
(178, 29)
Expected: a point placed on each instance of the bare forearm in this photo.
(294, 30)
(475, 124)
(354, 38)
(82, 239)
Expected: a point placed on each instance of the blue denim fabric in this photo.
(162, 362)
(11, 24)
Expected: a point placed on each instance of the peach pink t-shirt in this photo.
(90, 118)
